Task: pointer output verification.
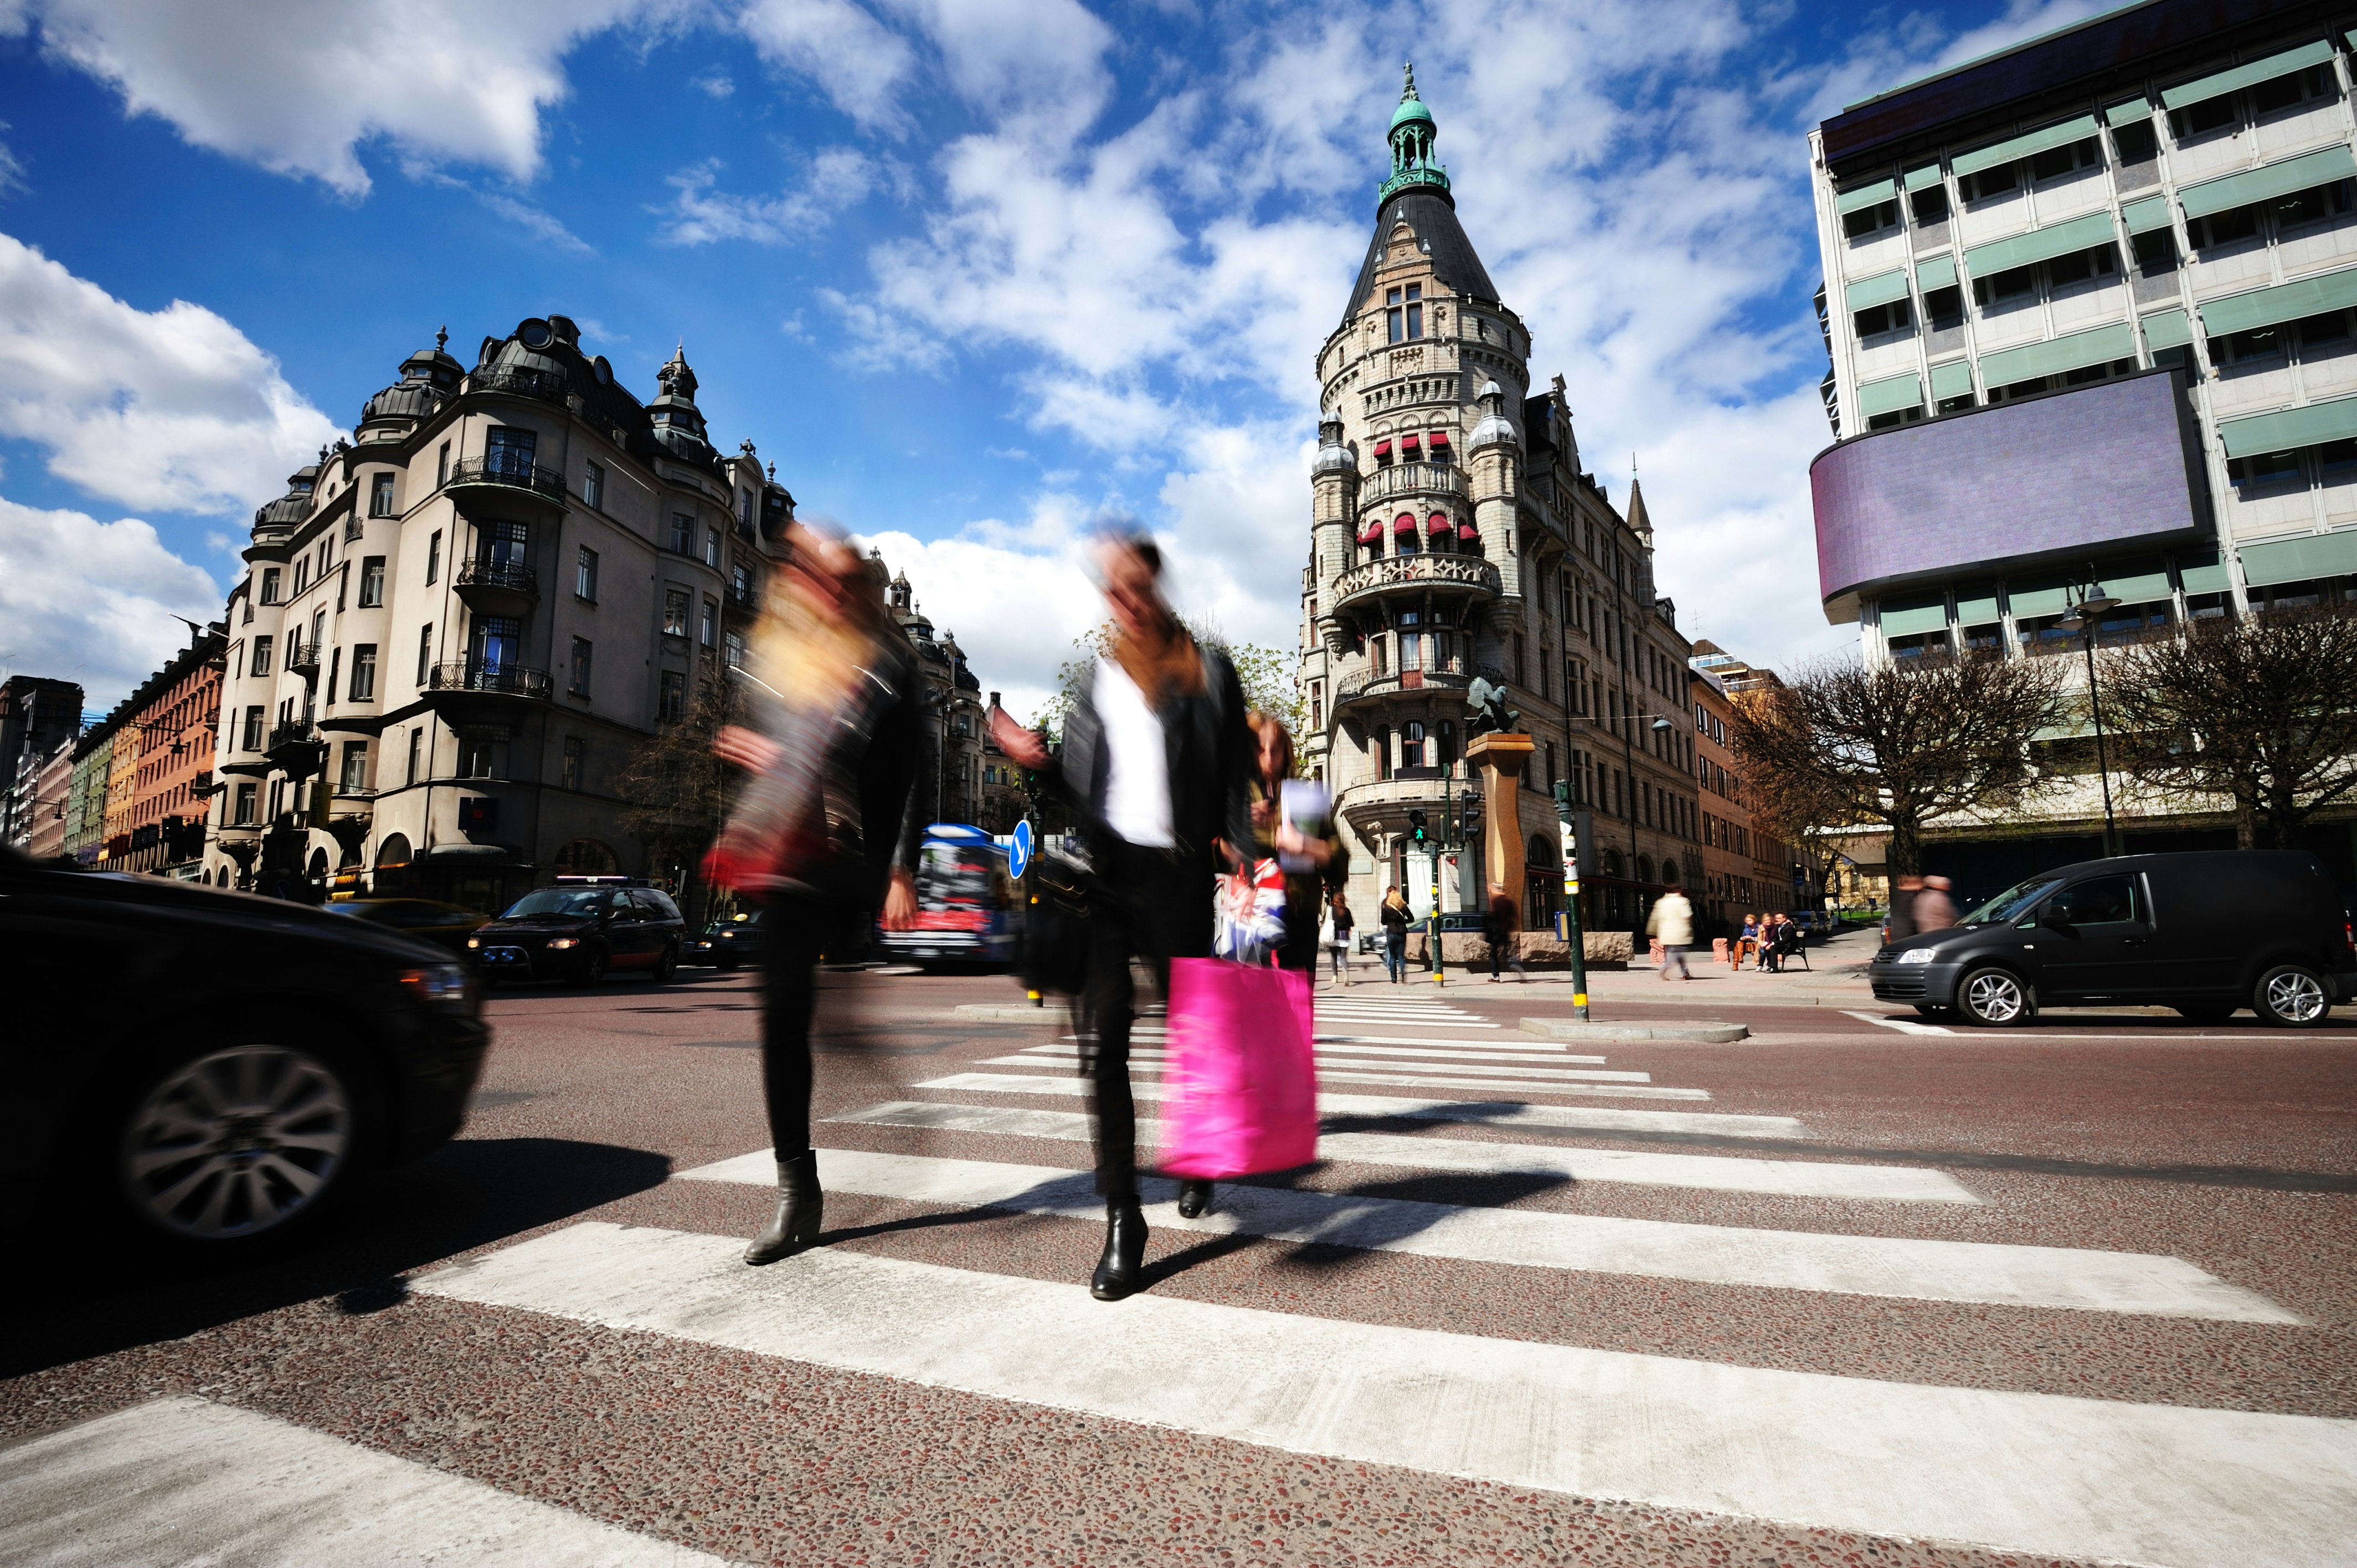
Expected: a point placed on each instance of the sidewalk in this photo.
(1837, 980)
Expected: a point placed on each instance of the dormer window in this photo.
(1404, 317)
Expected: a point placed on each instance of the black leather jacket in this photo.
(1211, 752)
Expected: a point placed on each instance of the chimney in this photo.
(994, 699)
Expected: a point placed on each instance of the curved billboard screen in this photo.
(2116, 463)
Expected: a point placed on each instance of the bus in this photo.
(968, 911)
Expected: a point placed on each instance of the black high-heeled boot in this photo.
(1125, 1250)
(799, 1206)
(1194, 1196)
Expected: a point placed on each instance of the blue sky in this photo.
(969, 275)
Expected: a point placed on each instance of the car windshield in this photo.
(558, 901)
(2013, 903)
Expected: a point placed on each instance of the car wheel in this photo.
(2205, 1012)
(1994, 998)
(666, 966)
(2292, 995)
(593, 968)
(224, 1149)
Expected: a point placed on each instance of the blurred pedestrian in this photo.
(828, 828)
(1903, 894)
(1394, 916)
(1935, 910)
(1313, 859)
(1500, 922)
(1156, 761)
(1671, 921)
(1341, 931)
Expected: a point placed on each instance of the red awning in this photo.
(1383, 447)
(1371, 535)
(1466, 531)
(1411, 443)
(1440, 441)
(1403, 524)
(1438, 523)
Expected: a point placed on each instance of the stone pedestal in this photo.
(1500, 759)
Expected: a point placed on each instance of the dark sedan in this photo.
(208, 1070)
(582, 930)
(444, 925)
(728, 943)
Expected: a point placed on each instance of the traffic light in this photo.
(1415, 824)
(1470, 803)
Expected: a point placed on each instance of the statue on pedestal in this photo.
(1487, 712)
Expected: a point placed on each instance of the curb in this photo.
(1024, 1013)
(1627, 1033)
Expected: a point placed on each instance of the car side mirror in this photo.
(2054, 921)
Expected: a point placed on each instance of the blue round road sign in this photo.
(1018, 859)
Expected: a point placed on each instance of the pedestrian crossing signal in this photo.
(1416, 823)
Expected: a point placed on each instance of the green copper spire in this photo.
(1412, 133)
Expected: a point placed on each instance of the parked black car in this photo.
(2204, 933)
(583, 929)
(444, 925)
(728, 943)
(208, 1070)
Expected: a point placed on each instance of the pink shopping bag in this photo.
(1240, 1091)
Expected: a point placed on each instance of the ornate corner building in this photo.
(1454, 536)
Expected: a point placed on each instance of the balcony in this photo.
(1394, 572)
(1380, 806)
(1368, 688)
(296, 751)
(492, 588)
(502, 475)
(538, 384)
(742, 597)
(303, 659)
(467, 692)
(1412, 478)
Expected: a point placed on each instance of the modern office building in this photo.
(2088, 302)
(1455, 536)
(457, 626)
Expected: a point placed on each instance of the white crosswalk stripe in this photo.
(2023, 1472)
(1362, 1045)
(1446, 1108)
(185, 1480)
(1718, 1254)
(1635, 1167)
(1040, 1054)
(1333, 1071)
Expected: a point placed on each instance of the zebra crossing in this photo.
(2033, 1472)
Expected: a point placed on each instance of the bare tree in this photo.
(676, 794)
(2261, 710)
(1844, 746)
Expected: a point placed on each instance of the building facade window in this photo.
(593, 486)
(246, 806)
(263, 647)
(354, 778)
(424, 653)
(676, 603)
(733, 645)
(585, 575)
(1403, 312)
(251, 739)
(371, 582)
(497, 642)
(415, 736)
(270, 585)
(434, 557)
(708, 630)
(672, 706)
(481, 752)
(568, 771)
(579, 684)
(363, 688)
(441, 471)
(712, 547)
(682, 535)
(381, 496)
(509, 450)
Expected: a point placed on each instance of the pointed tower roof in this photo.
(1417, 194)
(1639, 523)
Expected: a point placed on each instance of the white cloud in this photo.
(171, 409)
(1014, 612)
(701, 213)
(296, 86)
(12, 167)
(92, 602)
(854, 59)
(714, 84)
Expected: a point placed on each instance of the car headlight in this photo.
(436, 986)
(474, 941)
(561, 943)
(1919, 955)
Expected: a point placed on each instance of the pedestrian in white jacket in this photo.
(1672, 922)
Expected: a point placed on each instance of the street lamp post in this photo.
(2085, 617)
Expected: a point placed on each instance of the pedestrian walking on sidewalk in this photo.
(1320, 853)
(1340, 932)
(1671, 921)
(1157, 760)
(1500, 922)
(827, 829)
(1933, 909)
(1394, 916)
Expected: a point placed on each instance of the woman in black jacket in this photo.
(828, 828)
(1155, 760)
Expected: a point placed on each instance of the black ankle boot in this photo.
(800, 1204)
(1194, 1196)
(1125, 1250)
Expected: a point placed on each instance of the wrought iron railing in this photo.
(514, 576)
(504, 680)
(299, 733)
(540, 384)
(303, 658)
(505, 468)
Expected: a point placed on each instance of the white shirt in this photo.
(1137, 767)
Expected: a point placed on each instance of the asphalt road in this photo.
(1849, 1290)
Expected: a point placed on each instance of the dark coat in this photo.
(891, 815)
(1395, 921)
(1211, 750)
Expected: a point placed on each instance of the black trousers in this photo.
(794, 932)
(1152, 906)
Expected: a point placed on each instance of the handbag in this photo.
(1239, 1091)
(1056, 924)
